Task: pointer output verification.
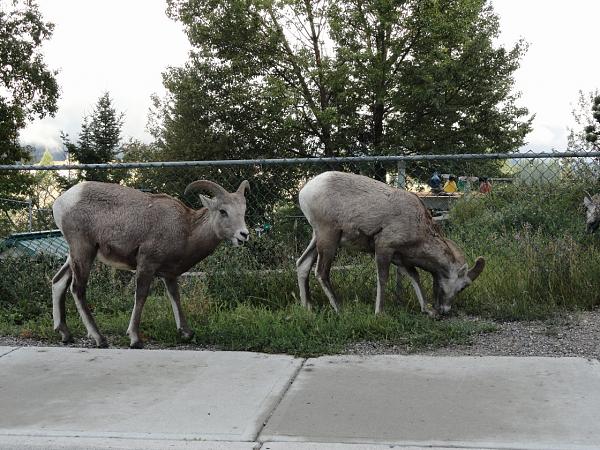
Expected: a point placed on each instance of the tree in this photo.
(349, 77)
(99, 140)
(587, 117)
(584, 138)
(28, 88)
(44, 192)
(148, 179)
(135, 150)
(210, 114)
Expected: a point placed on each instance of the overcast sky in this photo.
(120, 46)
(123, 46)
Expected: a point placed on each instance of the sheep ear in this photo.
(244, 187)
(477, 268)
(208, 202)
(463, 270)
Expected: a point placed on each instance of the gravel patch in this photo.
(570, 334)
(13, 341)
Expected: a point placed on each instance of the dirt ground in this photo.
(572, 334)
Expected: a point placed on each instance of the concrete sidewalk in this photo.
(70, 398)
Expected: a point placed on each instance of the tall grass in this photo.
(539, 258)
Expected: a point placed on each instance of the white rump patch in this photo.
(311, 192)
(64, 203)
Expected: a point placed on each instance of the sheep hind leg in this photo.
(182, 326)
(143, 280)
(60, 284)
(303, 266)
(81, 265)
(326, 249)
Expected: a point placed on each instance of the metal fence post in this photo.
(401, 178)
(401, 184)
(30, 212)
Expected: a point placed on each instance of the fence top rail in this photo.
(18, 202)
(291, 161)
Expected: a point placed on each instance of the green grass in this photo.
(263, 322)
(540, 262)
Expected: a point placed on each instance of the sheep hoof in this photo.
(66, 337)
(185, 335)
(432, 313)
(101, 342)
(136, 344)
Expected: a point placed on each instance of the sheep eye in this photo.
(223, 213)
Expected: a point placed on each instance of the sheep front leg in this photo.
(81, 259)
(415, 280)
(383, 261)
(143, 279)
(173, 291)
(399, 288)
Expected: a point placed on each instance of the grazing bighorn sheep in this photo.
(395, 225)
(153, 234)
(592, 206)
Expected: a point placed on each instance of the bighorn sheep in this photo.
(153, 234)
(592, 206)
(392, 224)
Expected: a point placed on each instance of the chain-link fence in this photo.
(273, 214)
(477, 198)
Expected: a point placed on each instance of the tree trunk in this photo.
(379, 171)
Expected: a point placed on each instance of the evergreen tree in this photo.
(98, 142)
(44, 193)
(586, 137)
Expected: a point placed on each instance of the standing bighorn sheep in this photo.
(395, 225)
(592, 206)
(153, 234)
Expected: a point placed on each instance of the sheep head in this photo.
(592, 206)
(226, 210)
(448, 286)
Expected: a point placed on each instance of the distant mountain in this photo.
(38, 151)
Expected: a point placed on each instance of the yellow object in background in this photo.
(450, 186)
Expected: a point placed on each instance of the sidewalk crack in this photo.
(9, 352)
(276, 405)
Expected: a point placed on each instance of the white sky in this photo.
(563, 58)
(123, 46)
(120, 46)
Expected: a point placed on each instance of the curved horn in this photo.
(209, 186)
(477, 268)
(244, 187)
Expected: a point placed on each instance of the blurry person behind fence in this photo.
(450, 186)
(485, 186)
(435, 182)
